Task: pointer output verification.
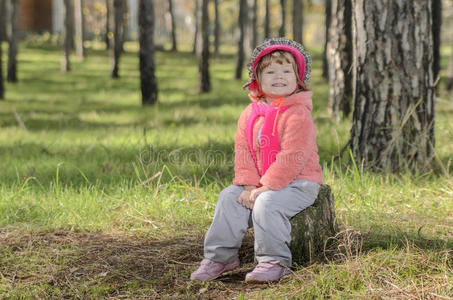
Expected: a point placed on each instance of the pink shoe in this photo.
(267, 272)
(210, 270)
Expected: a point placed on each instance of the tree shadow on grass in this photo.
(74, 265)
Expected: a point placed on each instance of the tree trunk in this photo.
(437, 24)
(253, 25)
(174, 46)
(242, 17)
(3, 18)
(108, 24)
(325, 62)
(2, 86)
(216, 28)
(340, 59)
(148, 82)
(203, 48)
(124, 24)
(298, 20)
(118, 10)
(78, 11)
(267, 21)
(11, 29)
(67, 29)
(449, 84)
(393, 121)
(282, 30)
(311, 228)
(195, 38)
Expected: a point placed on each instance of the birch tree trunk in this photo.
(203, 48)
(118, 10)
(393, 121)
(174, 46)
(148, 82)
(282, 30)
(241, 21)
(267, 25)
(11, 29)
(339, 56)
(325, 62)
(78, 12)
(298, 20)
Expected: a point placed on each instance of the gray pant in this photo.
(270, 219)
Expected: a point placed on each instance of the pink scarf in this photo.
(269, 142)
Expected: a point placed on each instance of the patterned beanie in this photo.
(302, 57)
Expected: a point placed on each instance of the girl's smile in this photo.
(278, 79)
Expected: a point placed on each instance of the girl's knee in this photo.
(263, 203)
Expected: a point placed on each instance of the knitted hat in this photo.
(303, 59)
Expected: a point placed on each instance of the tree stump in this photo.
(312, 227)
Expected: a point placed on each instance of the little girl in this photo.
(277, 170)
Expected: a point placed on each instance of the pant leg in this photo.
(271, 219)
(231, 220)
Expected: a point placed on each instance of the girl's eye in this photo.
(287, 71)
(269, 72)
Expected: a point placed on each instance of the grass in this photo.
(102, 198)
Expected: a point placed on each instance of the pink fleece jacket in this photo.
(298, 158)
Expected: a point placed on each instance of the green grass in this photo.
(100, 197)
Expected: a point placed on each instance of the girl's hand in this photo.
(244, 197)
(254, 194)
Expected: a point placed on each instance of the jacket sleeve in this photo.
(245, 172)
(297, 143)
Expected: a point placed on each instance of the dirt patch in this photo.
(118, 266)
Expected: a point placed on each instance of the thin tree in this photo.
(298, 20)
(437, 24)
(78, 12)
(2, 86)
(11, 28)
(148, 82)
(2, 38)
(125, 24)
(253, 20)
(449, 83)
(118, 10)
(241, 54)
(3, 18)
(393, 121)
(174, 46)
(325, 63)
(339, 57)
(267, 20)
(282, 30)
(216, 27)
(203, 48)
(196, 17)
(67, 35)
(108, 24)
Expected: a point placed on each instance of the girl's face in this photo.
(278, 79)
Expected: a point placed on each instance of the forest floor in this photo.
(102, 198)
